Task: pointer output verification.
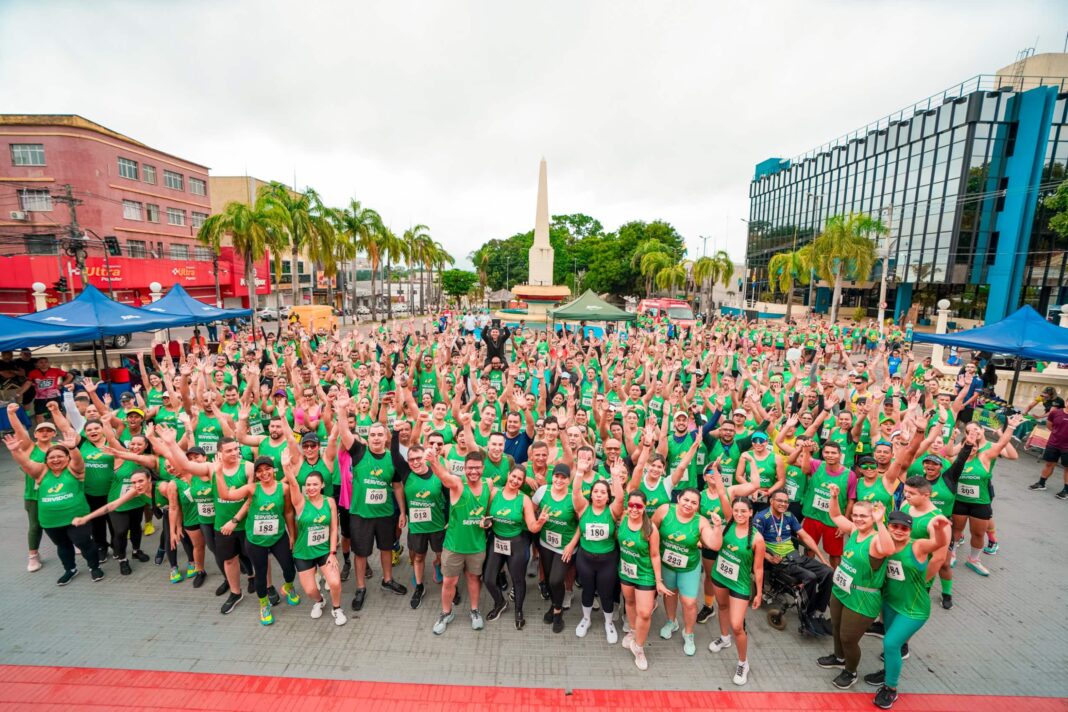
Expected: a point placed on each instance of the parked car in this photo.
(1007, 362)
(363, 311)
(267, 314)
(111, 342)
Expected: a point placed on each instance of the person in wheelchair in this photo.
(784, 561)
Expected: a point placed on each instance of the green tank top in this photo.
(817, 502)
(320, 467)
(906, 589)
(942, 497)
(202, 496)
(856, 584)
(973, 487)
(207, 433)
(559, 530)
(188, 504)
(29, 490)
(796, 483)
(372, 478)
(268, 449)
(587, 487)
(678, 542)
(465, 534)
(656, 495)
(597, 532)
(497, 472)
(224, 509)
(363, 425)
(170, 417)
(508, 516)
(845, 441)
(676, 450)
(635, 563)
(919, 521)
(264, 524)
(426, 503)
(766, 469)
(729, 456)
(61, 498)
(734, 563)
(99, 470)
(875, 492)
(454, 461)
(710, 504)
(153, 397)
(313, 530)
(122, 482)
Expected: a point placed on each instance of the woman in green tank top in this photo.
(61, 498)
(126, 519)
(906, 602)
(315, 547)
(190, 504)
(265, 528)
(134, 485)
(640, 574)
(597, 559)
(858, 582)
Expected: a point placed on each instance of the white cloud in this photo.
(438, 112)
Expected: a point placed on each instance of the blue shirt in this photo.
(518, 446)
(776, 531)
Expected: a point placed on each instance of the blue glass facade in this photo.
(958, 177)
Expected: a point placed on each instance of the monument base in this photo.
(540, 301)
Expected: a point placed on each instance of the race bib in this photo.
(628, 569)
(210, 447)
(375, 496)
(676, 560)
(596, 532)
(456, 467)
(894, 570)
(126, 487)
(206, 509)
(843, 580)
(971, 491)
(727, 569)
(821, 503)
(502, 547)
(363, 430)
(420, 514)
(265, 527)
(318, 535)
(554, 539)
(791, 490)
(256, 429)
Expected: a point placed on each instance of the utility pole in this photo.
(886, 264)
(704, 244)
(75, 246)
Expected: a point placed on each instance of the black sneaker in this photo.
(141, 556)
(548, 617)
(66, 577)
(558, 622)
(496, 611)
(705, 613)
(346, 569)
(223, 588)
(876, 630)
(543, 589)
(1063, 494)
(417, 596)
(159, 557)
(904, 653)
(844, 680)
(232, 600)
(124, 568)
(199, 578)
(397, 588)
(252, 584)
(272, 596)
(511, 595)
(875, 679)
(830, 661)
(885, 698)
(96, 574)
(358, 599)
(1039, 486)
(102, 553)
(947, 600)
(520, 621)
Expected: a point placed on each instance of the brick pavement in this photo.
(1005, 636)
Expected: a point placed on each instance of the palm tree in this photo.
(650, 265)
(307, 227)
(719, 268)
(438, 259)
(416, 239)
(845, 249)
(423, 246)
(787, 269)
(253, 232)
(393, 250)
(480, 258)
(362, 227)
(671, 276)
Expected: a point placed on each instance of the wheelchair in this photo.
(781, 593)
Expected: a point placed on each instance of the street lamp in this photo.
(885, 250)
(747, 275)
(812, 271)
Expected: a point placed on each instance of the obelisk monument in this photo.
(541, 252)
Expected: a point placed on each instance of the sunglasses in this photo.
(635, 505)
(868, 467)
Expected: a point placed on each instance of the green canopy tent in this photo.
(590, 307)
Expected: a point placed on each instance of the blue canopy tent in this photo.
(19, 334)
(179, 303)
(1024, 334)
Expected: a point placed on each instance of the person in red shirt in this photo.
(48, 384)
(1056, 447)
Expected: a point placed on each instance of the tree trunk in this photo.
(294, 276)
(789, 300)
(355, 317)
(250, 283)
(837, 294)
(388, 279)
(374, 295)
(422, 288)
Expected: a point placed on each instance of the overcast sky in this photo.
(438, 112)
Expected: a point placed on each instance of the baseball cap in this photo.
(309, 438)
(681, 413)
(759, 435)
(46, 426)
(865, 460)
(899, 517)
(262, 461)
(1056, 403)
(739, 411)
(126, 397)
(933, 458)
(561, 468)
(136, 410)
(196, 450)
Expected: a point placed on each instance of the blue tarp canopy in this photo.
(103, 316)
(179, 303)
(21, 334)
(1023, 333)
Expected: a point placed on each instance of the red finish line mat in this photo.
(56, 688)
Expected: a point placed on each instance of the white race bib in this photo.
(502, 547)
(596, 532)
(210, 447)
(318, 535)
(970, 491)
(206, 509)
(894, 570)
(821, 503)
(676, 560)
(375, 496)
(727, 569)
(843, 580)
(255, 429)
(554, 539)
(791, 490)
(456, 467)
(420, 514)
(265, 527)
(628, 569)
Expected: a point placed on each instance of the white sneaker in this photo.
(628, 640)
(741, 673)
(639, 658)
(339, 617)
(610, 633)
(317, 608)
(719, 644)
(582, 628)
(33, 563)
(668, 629)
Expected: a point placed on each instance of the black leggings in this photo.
(598, 574)
(172, 554)
(554, 570)
(123, 522)
(101, 526)
(517, 570)
(282, 554)
(68, 537)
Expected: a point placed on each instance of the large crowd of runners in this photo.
(712, 470)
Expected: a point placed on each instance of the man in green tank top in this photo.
(421, 499)
(465, 539)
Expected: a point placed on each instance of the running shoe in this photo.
(885, 698)
(272, 596)
(66, 577)
(1062, 495)
(158, 559)
(875, 679)
(397, 551)
(476, 620)
(640, 660)
(33, 563)
(520, 620)
(844, 680)
(443, 621)
(741, 673)
(610, 633)
(232, 600)
(705, 613)
(96, 574)
(359, 598)
(176, 575)
(548, 617)
(140, 556)
(292, 597)
(688, 646)
(346, 569)
(317, 608)
(497, 610)
(719, 644)
(199, 578)
(668, 629)
(222, 588)
(124, 568)
(543, 589)
(266, 617)
(977, 567)
(831, 661)
(1039, 486)
(991, 548)
(947, 600)
(582, 628)
(628, 641)
(558, 622)
(397, 588)
(438, 578)
(339, 617)
(417, 596)
(876, 630)
(148, 530)
(190, 569)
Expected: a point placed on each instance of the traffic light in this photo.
(112, 244)
(61, 284)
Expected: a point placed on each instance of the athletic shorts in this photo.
(638, 586)
(730, 592)
(227, 546)
(309, 564)
(454, 564)
(687, 583)
(1055, 454)
(420, 543)
(965, 415)
(709, 554)
(976, 511)
(832, 543)
(365, 533)
(40, 405)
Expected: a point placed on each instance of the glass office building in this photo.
(958, 178)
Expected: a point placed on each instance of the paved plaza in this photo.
(1005, 636)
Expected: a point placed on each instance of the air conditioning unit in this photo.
(18, 215)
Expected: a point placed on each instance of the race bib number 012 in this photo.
(420, 514)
